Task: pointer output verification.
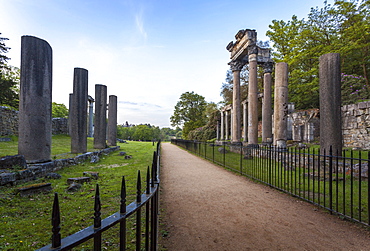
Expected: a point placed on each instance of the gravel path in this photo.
(209, 208)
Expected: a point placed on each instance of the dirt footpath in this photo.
(209, 208)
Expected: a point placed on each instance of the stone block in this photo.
(13, 161)
(6, 178)
(80, 180)
(35, 189)
(362, 105)
(94, 175)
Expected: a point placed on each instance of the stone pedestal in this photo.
(330, 103)
(100, 121)
(35, 100)
(112, 121)
(281, 104)
(266, 104)
(78, 118)
(252, 97)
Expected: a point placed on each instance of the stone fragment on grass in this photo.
(34, 189)
(53, 176)
(94, 175)
(73, 187)
(78, 180)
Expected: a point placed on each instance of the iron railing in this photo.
(148, 201)
(337, 183)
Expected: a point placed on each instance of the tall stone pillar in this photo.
(34, 141)
(112, 120)
(236, 67)
(226, 125)
(222, 126)
(90, 132)
(231, 123)
(330, 103)
(70, 113)
(266, 105)
(281, 104)
(100, 120)
(218, 130)
(252, 96)
(245, 120)
(78, 117)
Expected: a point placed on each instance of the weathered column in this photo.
(112, 120)
(245, 120)
(218, 130)
(78, 119)
(281, 104)
(226, 125)
(330, 103)
(34, 141)
(90, 132)
(252, 96)
(266, 104)
(236, 67)
(70, 113)
(231, 123)
(100, 120)
(222, 125)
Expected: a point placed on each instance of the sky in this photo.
(147, 52)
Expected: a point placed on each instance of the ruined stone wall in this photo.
(9, 123)
(356, 125)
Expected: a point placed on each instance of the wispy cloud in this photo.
(142, 104)
(139, 20)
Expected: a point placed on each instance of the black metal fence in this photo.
(146, 205)
(339, 184)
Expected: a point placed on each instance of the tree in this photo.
(3, 50)
(59, 110)
(189, 112)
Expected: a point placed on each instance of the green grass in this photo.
(25, 221)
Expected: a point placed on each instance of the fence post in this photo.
(138, 212)
(122, 225)
(97, 219)
(56, 237)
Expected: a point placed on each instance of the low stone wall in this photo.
(34, 171)
(9, 123)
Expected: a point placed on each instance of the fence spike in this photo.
(138, 188)
(123, 196)
(55, 222)
(97, 208)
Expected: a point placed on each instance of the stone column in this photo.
(236, 67)
(245, 120)
(90, 132)
(226, 125)
(231, 123)
(266, 104)
(34, 141)
(100, 120)
(70, 113)
(330, 103)
(281, 104)
(112, 120)
(218, 130)
(222, 125)
(252, 96)
(78, 119)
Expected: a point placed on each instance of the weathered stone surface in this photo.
(53, 176)
(128, 156)
(35, 189)
(74, 187)
(8, 121)
(13, 161)
(330, 102)
(122, 153)
(222, 150)
(78, 180)
(34, 141)
(112, 121)
(94, 159)
(100, 122)
(7, 178)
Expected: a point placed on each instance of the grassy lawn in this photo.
(25, 221)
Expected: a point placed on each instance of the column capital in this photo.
(236, 65)
(267, 67)
(252, 49)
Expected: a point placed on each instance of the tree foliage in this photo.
(59, 110)
(145, 132)
(340, 28)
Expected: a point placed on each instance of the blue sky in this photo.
(147, 52)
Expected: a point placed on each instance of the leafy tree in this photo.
(3, 50)
(59, 110)
(191, 107)
(341, 28)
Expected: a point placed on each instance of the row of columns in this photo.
(35, 120)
